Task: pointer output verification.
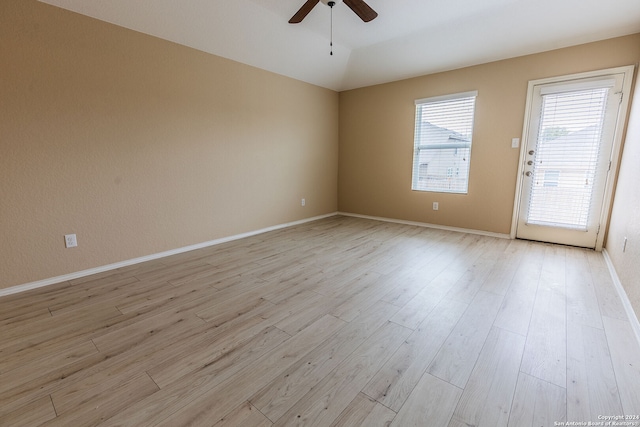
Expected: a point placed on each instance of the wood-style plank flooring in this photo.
(338, 322)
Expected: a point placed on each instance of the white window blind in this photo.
(566, 158)
(442, 143)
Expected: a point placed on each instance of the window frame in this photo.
(417, 184)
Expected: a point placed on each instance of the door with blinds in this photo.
(567, 158)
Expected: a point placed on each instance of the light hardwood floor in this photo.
(338, 322)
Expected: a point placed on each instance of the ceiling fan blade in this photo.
(362, 9)
(303, 12)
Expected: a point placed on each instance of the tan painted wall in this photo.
(140, 146)
(625, 217)
(377, 126)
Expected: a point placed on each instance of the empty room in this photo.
(318, 213)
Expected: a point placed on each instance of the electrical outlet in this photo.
(70, 241)
(435, 206)
(515, 142)
(303, 202)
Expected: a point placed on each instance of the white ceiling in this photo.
(409, 38)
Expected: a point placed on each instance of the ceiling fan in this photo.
(360, 8)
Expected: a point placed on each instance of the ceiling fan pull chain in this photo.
(331, 4)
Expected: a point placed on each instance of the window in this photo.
(551, 178)
(444, 127)
(424, 169)
(566, 159)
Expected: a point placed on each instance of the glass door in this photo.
(570, 137)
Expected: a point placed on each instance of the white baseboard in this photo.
(628, 308)
(89, 272)
(427, 225)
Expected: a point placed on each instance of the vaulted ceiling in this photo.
(409, 38)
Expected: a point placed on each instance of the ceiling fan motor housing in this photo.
(335, 2)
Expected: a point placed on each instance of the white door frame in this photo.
(615, 153)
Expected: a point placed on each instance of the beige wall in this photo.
(625, 218)
(140, 146)
(377, 125)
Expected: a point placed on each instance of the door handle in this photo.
(531, 152)
(530, 162)
(528, 173)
